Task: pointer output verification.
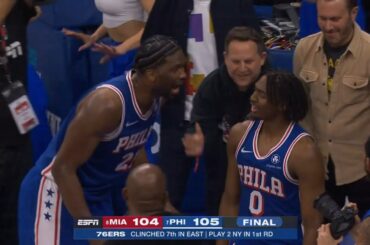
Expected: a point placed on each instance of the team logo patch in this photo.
(275, 159)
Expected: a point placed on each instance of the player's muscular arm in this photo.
(231, 197)
(5, 8)
(305, 164)
(98, 114)
(140, 157)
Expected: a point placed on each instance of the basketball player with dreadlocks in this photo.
(274, 168)
(97, 145)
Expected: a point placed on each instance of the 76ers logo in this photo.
(275, 159)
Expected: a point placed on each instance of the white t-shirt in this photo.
(201, 48)
(118, 12)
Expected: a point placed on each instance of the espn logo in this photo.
(88, 223)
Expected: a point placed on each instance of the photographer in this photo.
(360, 231)
(324, 237)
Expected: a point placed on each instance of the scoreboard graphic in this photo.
(185, 227)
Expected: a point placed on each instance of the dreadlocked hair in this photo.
(286, 90)
(153, 52)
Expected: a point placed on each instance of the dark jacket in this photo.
(171, 18)
(218, 97)
(217, 106)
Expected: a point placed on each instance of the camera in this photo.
(342, 220)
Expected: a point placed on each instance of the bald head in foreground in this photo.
(145, 192)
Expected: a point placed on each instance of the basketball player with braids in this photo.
(274, 168)
(97, 145)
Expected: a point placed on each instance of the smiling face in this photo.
(261, 108)
(336, 21)
(170, 75)
(243, 62)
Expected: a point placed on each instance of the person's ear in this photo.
(367, 165)
(282, 108)
(125, 194)
(354, 13)
(263, 56)
(151, 74)
(225, 55)
(166, 197)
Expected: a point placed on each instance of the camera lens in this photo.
(341, 221)
(327, 206)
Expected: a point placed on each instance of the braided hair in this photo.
(286, 90)
(153, 52)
